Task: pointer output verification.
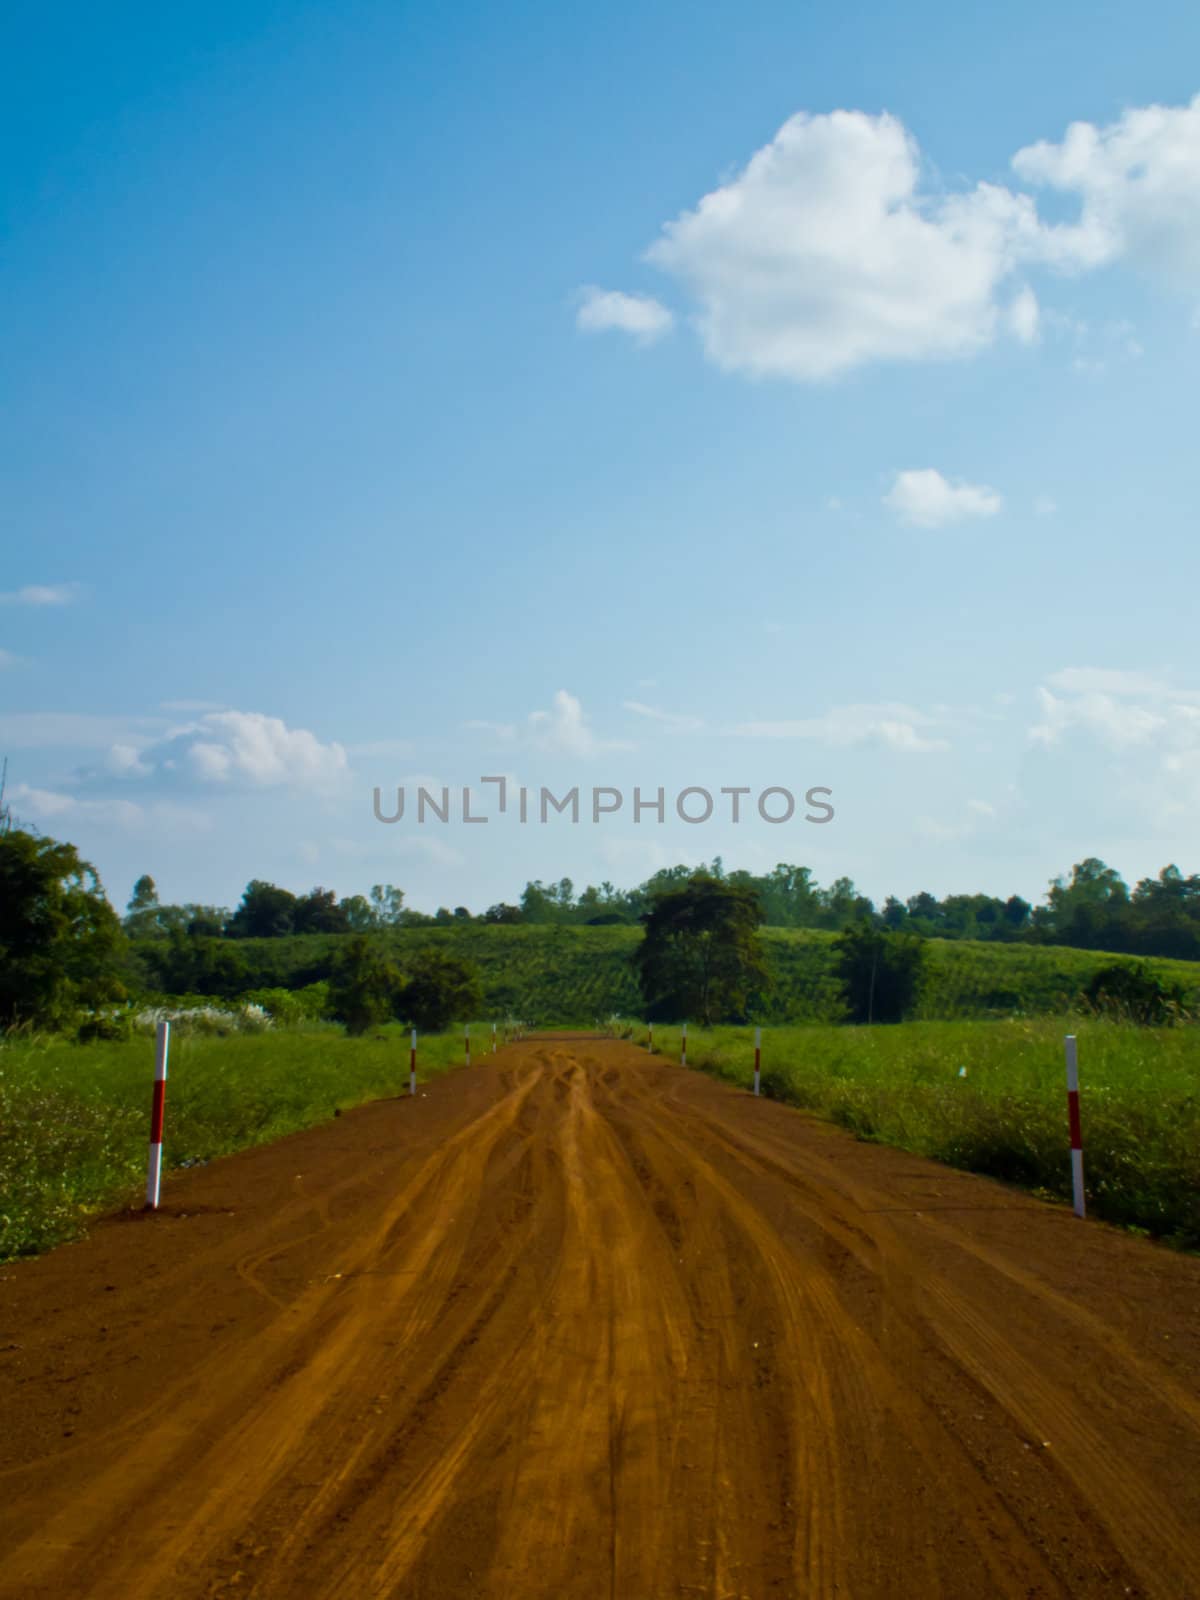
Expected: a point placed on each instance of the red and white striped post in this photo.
(683, 1047)
(1073, 1119)
(412, 1064)
(467, 1041)
(493, 1038)
(157, 1106)
(757, 1057)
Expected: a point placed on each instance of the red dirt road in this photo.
(580, 1325)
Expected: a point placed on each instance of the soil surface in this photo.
(579, 1324)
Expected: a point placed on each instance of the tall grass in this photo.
(74, 1118)
(990, 1097)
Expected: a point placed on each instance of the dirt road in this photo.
(578, 1323)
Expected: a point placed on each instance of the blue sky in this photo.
(651, 395)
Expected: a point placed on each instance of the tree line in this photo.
(65, 955)
(1091, 907)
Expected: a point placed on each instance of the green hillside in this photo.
(576, 974)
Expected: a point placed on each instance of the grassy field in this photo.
(990, 1097)
(576, 974)
(74, 1118)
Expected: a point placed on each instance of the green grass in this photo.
(74, 1119)
(1006, 1117)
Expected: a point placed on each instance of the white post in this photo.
(757, 1056)
(1073, 1123)
(157, 1105)
(412, 1064)
(493, 1038)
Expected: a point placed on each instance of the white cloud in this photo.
(832, 248)
(668, 719)
(565, 728)
(1024, 316)
(261, 750)
(126, 761)
(1115, 721)
(52, 806)
(924, 498)
(7, 659)
(1136, 180)
(897, 727)
(1148, 729)
(40, 594)
(824, 253)
(637, 314)
(1044, 506)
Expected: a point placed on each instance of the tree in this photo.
(319, 912)
(701, 955)
(360, 914)
(879, 972)
(388, 904)
(366, 989)
(61, 945)
(502, 913)
(266, 912)
(143, 913)
(439, 990)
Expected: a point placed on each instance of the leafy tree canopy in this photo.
(61, 945)
(701, 956)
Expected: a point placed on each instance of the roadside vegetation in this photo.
(74, 1118)
(990, 1097)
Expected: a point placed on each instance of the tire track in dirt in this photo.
(604, 1328)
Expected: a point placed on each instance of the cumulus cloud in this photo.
(40, 594)
(825, 252)
(636, 314)
(260, 750)
(832, 248)
(565, 728)
(1146, 728)
(897, 727)
(1136, 181)
(226, 747)
(925, 499)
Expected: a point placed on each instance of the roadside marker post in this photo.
(757, 1057)
(467, 1041)
(683, 1047)
(157, 1107)
(493, 1038)
(412, 1064)
(1073, 1120)
(650, 1037)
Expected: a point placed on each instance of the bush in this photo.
(1135, 992)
